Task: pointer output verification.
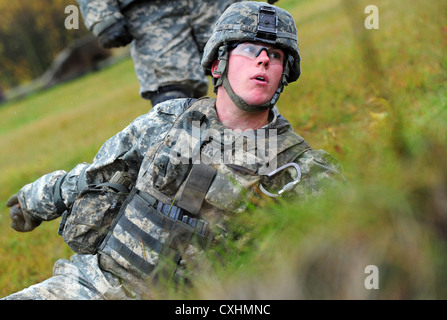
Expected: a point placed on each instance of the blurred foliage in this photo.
(377, 99)
(32, 33)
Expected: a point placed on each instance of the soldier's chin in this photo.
(260, 106)
(257, 101)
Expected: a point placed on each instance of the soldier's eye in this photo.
(276, 55)
(251, 49)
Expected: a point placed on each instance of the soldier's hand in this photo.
(20, 221)
(117, 35)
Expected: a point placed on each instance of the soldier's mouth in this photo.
(261, 77)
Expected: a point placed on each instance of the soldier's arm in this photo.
(46, 198)
(105, 20)
(99, 14)
(319, 171)
(41, 200)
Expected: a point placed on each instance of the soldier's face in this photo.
(254, 74)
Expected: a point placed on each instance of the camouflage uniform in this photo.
(189, 177)
(110, 274)
(169, 37)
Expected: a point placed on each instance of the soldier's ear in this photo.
(214, 68)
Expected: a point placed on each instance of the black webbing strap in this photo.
(58, 202)
(196, 187)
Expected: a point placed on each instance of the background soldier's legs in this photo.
(164, 50)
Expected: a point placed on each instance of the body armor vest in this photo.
(193, 179)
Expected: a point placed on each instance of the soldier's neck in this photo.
(234, 118)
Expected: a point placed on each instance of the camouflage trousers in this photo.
(169, 37)
(78, 279)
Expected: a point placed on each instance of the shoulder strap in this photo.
(196, 187)
(188, 103)
(58, 202)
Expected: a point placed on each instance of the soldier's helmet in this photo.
(251, 21)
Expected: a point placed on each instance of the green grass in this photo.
(376, 99)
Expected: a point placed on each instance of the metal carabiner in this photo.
(289, 186)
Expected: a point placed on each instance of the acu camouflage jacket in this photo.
(160, 150)
(146, 141)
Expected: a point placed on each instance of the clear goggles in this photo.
(252, 51)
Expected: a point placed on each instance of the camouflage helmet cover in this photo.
(240, 22)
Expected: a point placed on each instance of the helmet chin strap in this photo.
(237, 100)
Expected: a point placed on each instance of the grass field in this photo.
(376, 99)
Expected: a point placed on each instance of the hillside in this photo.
(375, 99)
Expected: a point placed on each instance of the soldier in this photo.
(182, 167)
(167, 39)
